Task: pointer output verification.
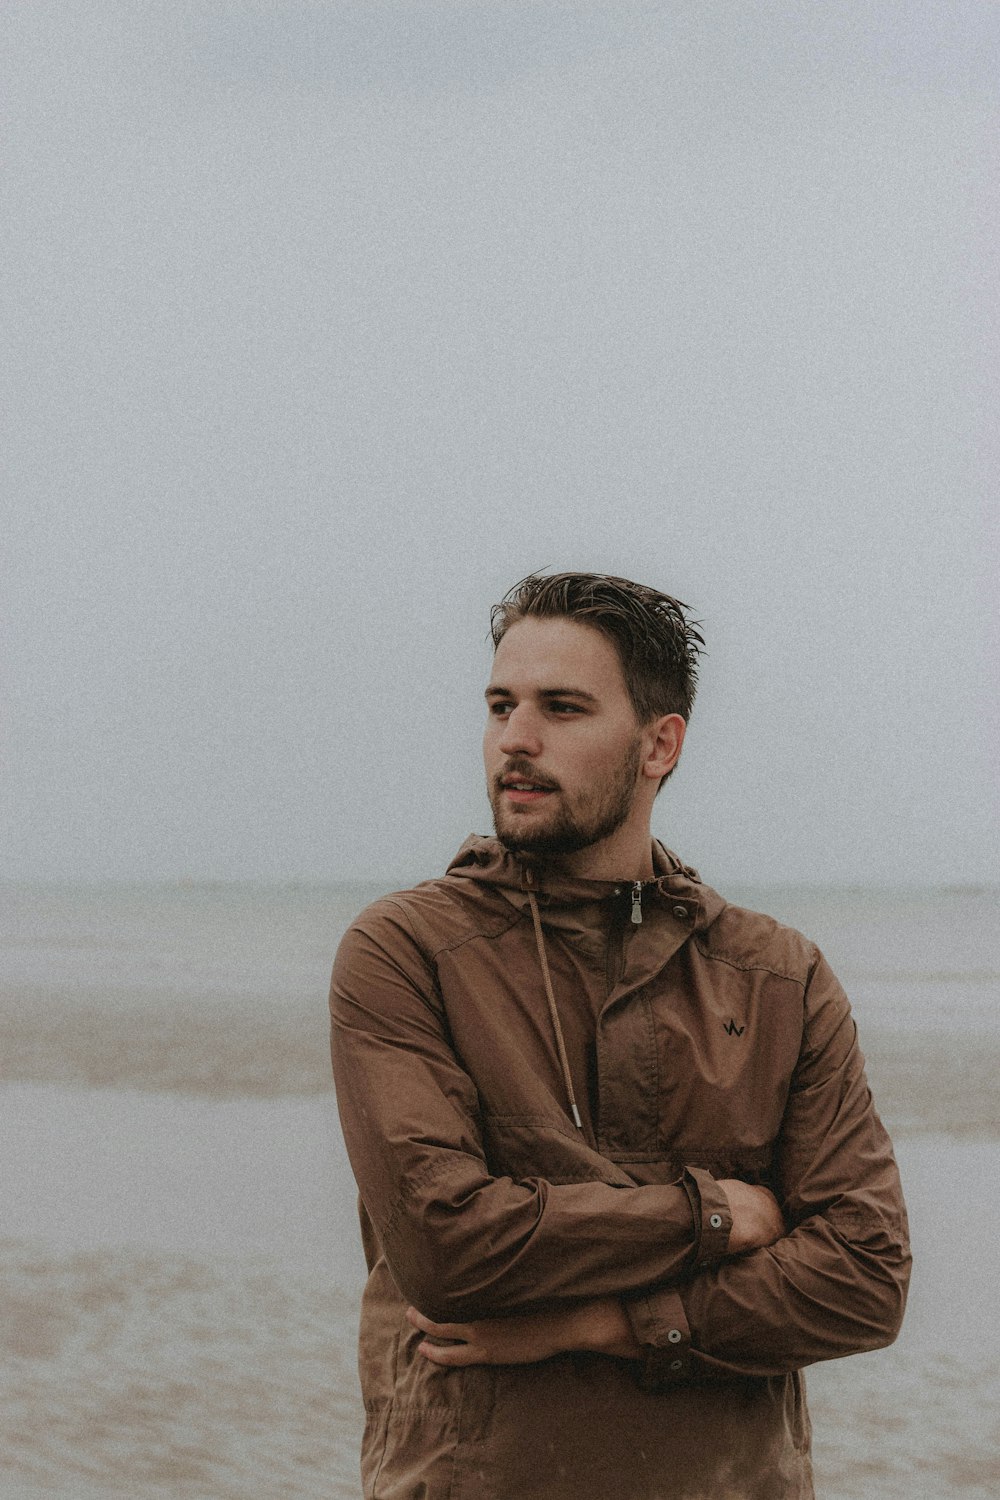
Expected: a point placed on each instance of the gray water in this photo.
(179, 1250)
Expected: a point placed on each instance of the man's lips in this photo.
(523, 790)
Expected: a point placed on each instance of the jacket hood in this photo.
(487, 861)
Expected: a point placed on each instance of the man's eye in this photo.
(498, 708)
(566, 708)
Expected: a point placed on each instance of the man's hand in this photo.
(757, 1219)
(599, 1327)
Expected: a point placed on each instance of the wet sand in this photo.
(179, 1262)
(180, 1281)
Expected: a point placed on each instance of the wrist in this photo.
(603, 1327)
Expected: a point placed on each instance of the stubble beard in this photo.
(571, 830)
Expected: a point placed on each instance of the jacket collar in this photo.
(486, 860)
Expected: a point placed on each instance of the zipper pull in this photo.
(636, 902)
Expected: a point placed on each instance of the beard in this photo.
(566, 830)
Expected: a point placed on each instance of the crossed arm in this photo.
(598, 1326)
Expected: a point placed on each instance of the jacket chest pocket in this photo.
(685, 1085)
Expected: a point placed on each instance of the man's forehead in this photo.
(555, 657)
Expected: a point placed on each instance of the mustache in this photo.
(519, 770)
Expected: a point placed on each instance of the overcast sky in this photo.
(325, 323)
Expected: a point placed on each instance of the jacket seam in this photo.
(653, 1052)
(732, 963)
(538, 1121)
(692, 1150)
(434, 953)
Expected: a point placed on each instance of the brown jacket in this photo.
(702, 1041)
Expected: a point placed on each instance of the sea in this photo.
(179, 1261)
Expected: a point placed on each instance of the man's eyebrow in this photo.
(568, 692)
(496, 691)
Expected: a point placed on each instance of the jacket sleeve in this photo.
(460, 1242)
(836, 1283)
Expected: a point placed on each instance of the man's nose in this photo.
(520, 733)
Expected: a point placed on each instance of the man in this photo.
(620, 1172)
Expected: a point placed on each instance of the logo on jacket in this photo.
(733, 1030)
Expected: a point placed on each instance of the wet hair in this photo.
(657, 642)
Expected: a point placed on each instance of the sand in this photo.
(180, 1289)
(179, 1265)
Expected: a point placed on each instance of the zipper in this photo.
(614, 964)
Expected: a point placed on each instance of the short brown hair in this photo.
(657, 642)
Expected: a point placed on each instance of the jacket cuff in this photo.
(713, 1218)
(661, 1327)
(658, 1320)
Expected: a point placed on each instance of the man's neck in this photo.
(616, 858)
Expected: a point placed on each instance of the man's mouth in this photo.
(523, 789)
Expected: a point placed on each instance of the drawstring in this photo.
(553, 1012)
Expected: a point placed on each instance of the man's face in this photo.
(562, 746)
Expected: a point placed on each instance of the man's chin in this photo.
(539, 841)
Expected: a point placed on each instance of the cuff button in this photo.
(677, 1364)
(716, 1221)
(674, 1336)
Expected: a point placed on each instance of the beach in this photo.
(179, 1250)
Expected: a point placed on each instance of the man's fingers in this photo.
(436, 1330)
(452, 1356)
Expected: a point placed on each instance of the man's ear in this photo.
(666, 738)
